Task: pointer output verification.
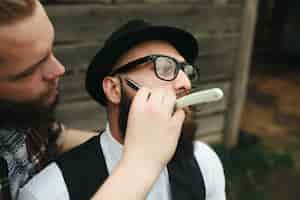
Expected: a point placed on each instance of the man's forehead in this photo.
(24, 31)
(26, 38)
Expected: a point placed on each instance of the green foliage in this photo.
(249, 170)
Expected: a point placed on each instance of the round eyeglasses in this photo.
(166, 68)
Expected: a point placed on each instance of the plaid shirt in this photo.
(22, 154)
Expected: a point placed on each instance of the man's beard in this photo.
(185, 147)
(29, 114)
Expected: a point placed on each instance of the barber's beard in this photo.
(29, 114)
(185, 147)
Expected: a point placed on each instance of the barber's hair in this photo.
(13, 10)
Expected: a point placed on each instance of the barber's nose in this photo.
(53, 70)
(182, 82)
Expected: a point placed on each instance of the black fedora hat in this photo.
(127, 36)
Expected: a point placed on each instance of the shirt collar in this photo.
(112, 149)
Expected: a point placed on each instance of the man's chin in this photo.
(28, 114)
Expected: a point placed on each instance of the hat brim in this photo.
(102, 63)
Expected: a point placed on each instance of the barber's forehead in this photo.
(25, 42)
(149, 48)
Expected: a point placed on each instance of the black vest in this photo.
(84, 170)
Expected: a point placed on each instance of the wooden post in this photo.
(241, 73)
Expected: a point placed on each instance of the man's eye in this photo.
(23, 75)
(167, 69)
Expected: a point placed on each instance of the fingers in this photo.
(178, 118)
(162, 100)
(156, 97)
(141, 96)
(169, 101)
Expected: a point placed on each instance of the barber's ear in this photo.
(112, 89)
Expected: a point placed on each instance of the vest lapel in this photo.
(84, 169)
(186, 180)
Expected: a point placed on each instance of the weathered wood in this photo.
(216, 67)
(237, 2)
(213, 44)
(94, 22)
(73, 88)
(83, 115)
(83, 1)
(205, 2)
(220, 2)
(241, 73)
(210, 124)
(76, 57)
(212, 138)
(82, 27)
(161, 1)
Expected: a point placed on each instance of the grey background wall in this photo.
(82, 26)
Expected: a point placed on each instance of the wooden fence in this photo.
(223, 28)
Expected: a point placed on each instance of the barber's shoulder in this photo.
(71, 138)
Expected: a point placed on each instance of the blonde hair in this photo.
(14, 10)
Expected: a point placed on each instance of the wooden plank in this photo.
(210, 124)
(77, 57)
(73, 88)
(83, 115)
(205, 2)
(81, 1)
(241, 74)
(212, 138)
(212, 44)
(95, 22)
(216, 67)
(239, 2)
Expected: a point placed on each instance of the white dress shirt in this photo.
(50, 184)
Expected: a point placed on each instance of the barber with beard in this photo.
(137, 76)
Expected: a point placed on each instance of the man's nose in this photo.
(53, 70)
(182, 82)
